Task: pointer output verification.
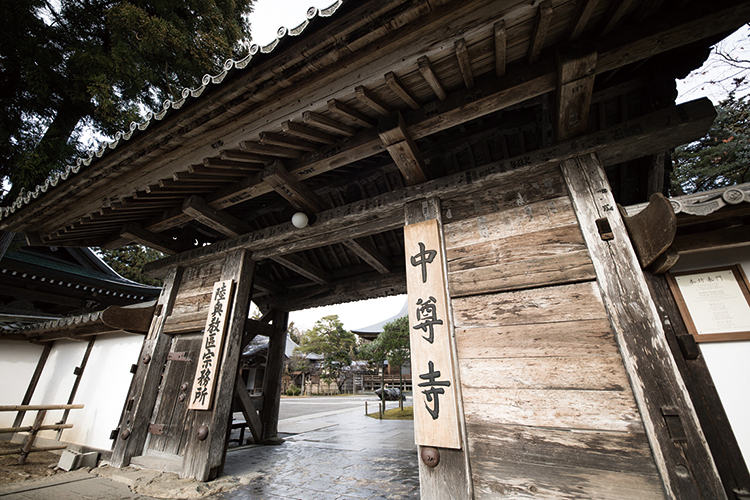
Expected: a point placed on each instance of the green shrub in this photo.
(293, 390)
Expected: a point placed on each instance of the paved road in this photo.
(292, 407)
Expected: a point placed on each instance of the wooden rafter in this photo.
(425, 68)
(229, 164)
(464, 63)
(500, 47)
(403, 149)
(346, 111)
(268, 150)
(543, 18)
(303, 267)
(370, 254)
(136, 233)
(401, 91)
(218, 220)
(285, 141)
(296, 193)
(244, 156)
(327, 124)
(584, 14)
(615, 15)
(657, 131)
(307, 133)
(369, 99)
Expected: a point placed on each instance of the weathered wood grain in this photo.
(626, 452)
(452, 477)
(569, 338)
(596, 373)
(546, 270)
(570, 409)
(686, 468)
(506, 479)
(580, 301)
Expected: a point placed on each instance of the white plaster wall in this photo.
(728, 362)
(18, 361)
(103, 390)
(56, 381)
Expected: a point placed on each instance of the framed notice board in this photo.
(715, 303)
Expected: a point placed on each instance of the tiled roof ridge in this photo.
(703, 202)
(25, 197)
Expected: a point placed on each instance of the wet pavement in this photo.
(331, 451)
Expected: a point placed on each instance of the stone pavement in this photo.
(339, 454)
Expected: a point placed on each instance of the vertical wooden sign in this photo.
(213, 338)
(435, 404)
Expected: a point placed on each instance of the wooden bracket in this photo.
(652, 232)
(198, 209)
(129, 319)
(576, 69)
(402, 148)
(134, 232)
(287, 185)
(303, 267)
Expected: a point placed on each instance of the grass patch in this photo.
(396, 414)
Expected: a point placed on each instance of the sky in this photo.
(270, 15)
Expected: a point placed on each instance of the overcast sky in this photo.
(270, 15)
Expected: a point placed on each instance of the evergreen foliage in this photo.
(337, 345)
(99, 63)
(720, 158)
(128, 262)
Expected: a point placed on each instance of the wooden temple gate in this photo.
(472, 153)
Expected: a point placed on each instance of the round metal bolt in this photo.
(184, 386)
(430, 456)
(202, 433)
(181, 398)
(146, 359)
(125, 434)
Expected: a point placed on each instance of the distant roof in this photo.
(372, 331)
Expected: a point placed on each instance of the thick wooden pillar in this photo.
(204, 457)
(451, 477)
(133, 428)
(274, 373)
(678, 444)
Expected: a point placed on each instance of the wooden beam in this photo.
(307, 133)
(296, 193)
(500, 47)
(216, 163)
(134, 232)
(370, 254)
(684, 463)
(243, 156)
(267, 285)
(734, 237)
(254, 327)
(324, 123)
(269, 150)
(403, 149)
(584, 14)
(274, 374)
(575, 74)
(274, 139)
(33, 382)
(464, 63)
(369, 99)
(614, 16)
(543, 18)
(248, 410)
(303, 267)
(431, 78)
(362, 286)
(346, 111)
(199, 210)
(128, 319)
(657, 131)
(401, 91)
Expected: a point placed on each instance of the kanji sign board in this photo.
(435, 402)
(213, 338)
